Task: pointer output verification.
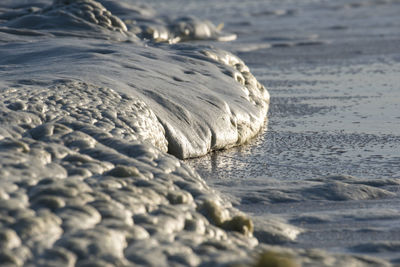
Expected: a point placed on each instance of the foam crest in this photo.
(91, 11)
(202, 104)
(71, 18)
(184, 29)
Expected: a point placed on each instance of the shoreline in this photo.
(85, 126)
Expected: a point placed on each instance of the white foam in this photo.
(88, 111)
(198, 101)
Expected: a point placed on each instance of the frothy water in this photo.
(91, 101)
(95, 93)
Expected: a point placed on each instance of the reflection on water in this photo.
(323, 122)
(330, 159)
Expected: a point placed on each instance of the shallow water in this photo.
(332, 72)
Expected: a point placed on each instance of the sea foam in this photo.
(93, 94)
(90, 104)
(190, 88)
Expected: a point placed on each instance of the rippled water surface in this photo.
(329, 159)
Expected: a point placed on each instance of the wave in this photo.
(217, 112)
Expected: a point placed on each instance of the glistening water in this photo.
(329, 159)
